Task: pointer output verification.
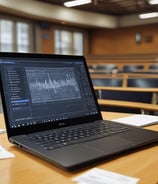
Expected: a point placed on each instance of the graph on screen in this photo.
(54, 84)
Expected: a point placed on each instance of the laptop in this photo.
(51, 111)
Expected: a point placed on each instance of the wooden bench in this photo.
(143, 107)
(120, 60)
(124, 77)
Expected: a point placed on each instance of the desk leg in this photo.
(155, 98)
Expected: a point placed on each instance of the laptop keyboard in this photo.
(67, 136)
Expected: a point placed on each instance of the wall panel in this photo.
(122, 40)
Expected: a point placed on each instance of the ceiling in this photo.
(112, 7)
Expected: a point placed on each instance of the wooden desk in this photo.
(131, 105)
(27, 169)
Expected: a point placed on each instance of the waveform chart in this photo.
(54, 84)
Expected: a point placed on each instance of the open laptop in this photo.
(51, 111)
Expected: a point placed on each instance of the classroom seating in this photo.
(111, 82)
(91, 67)
(143, 82)
(153, 67)
(127, 87)
(107, 82)
(143, 97)
(137, 93)
(128, 79)
(132, 68)
(124, 106)
(148, 61)
(106, 68)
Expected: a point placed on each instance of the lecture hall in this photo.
(119, 41)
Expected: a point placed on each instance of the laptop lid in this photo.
(42, 91)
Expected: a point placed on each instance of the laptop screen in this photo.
(43, 89)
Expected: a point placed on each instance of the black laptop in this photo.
(51, 111)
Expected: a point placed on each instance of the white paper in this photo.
(99, 176)
(5, 154)
(138, 120)
(2, 131)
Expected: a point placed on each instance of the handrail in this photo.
(136, 105)
(123, 75)
(132, 89)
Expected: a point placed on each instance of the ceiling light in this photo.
(76, 3)
(152, 2)
(148, 15)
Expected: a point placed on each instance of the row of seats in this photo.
(131, 96)
(110, 68)
(131, 82)
(143, 97)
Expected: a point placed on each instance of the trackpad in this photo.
(109, 144)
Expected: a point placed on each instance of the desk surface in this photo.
(25, 168)
(127, 104)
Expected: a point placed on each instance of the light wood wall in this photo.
(122, 40)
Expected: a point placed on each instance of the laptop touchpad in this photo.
(109, 144)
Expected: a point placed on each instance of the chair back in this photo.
(153, 67)
(113, 82)
(145, 97)
(132, 68)
(143, 82)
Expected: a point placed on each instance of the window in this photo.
(68, 42)
(22, 37)
(15, 36)
(6, 35)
